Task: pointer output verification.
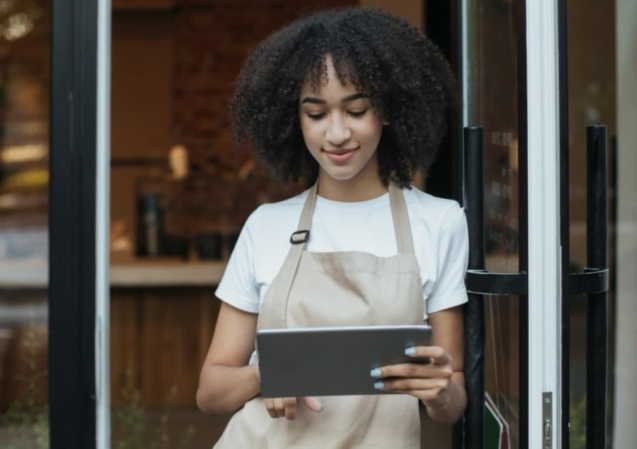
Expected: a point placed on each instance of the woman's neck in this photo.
(360, 188)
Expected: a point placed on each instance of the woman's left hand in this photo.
(431, 383)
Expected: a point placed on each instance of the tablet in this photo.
(332, 361)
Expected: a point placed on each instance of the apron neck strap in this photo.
(402, 227)
(399, 213)
(275, 316)
(305, 222)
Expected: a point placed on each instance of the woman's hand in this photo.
(227, 382)
(431, 383)
(286, 407)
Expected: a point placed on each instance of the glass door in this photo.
(494, 91)
(493, 80)
(515, 110)
(25, 37)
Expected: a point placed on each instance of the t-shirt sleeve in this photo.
(238, 286)
(452, 261)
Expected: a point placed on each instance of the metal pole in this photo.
(596, 246)
(473, 194)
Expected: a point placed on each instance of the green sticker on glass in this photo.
(496, 429)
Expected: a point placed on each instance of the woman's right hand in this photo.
(286, 407)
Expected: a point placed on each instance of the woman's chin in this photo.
(341, 173)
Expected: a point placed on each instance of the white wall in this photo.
(626, 365)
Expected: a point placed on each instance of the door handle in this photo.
(474, 328)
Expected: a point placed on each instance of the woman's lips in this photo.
(340, 156)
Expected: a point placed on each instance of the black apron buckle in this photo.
(299, 237)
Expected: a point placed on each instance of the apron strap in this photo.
(402, 226)
(305, 222)
(299, 239)
(285, 279)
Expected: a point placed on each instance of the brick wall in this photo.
(212, 39)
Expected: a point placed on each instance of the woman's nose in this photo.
(338, 132)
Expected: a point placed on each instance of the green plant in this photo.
(577, 435)
(131, 422)
(130, 419)
(27, 424)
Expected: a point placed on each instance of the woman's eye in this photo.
(357, 113)
(317, 116)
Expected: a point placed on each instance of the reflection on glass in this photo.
(493, 104)
(492, 64)
(24, 129)
(503, 360)
(592, 100)
(578, 374)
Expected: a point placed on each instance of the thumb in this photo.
(313, 404)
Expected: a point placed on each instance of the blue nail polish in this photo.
(379, 385)
(410, 351)
(375, 372)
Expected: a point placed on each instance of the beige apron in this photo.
(339, 289)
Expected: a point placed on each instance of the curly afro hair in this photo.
(405, 76)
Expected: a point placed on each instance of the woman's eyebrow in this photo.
(347, 99)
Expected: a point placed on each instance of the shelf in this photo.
(143, 5)
(166, 274)
(136, 273)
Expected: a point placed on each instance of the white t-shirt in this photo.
(439, 230)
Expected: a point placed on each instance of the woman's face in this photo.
(340, 128)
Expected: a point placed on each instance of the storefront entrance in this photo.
(119, 320)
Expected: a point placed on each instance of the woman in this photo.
(355, 101)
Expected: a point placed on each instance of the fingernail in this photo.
(379, 385)
(375, 372)
(410, 351)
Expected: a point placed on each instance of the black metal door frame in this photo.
(72, 224)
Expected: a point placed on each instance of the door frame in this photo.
(544, 244)
(102, 212)
(78, 225)
(541, 252)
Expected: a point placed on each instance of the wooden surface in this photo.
(159, 339)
